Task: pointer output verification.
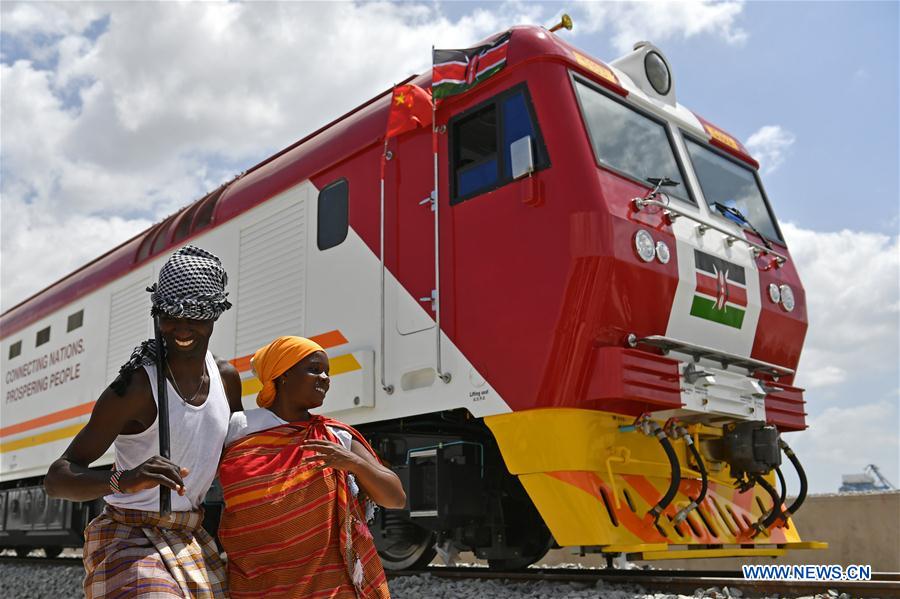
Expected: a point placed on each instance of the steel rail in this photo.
(883, 584)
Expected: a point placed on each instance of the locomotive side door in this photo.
(409, 179)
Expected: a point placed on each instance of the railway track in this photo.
(882, 585)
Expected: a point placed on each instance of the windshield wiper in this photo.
(735, 215)
(658, 182)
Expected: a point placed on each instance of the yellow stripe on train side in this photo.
(56, 434)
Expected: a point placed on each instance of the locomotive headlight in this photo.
(662, 252)
(644, 245)
(774, 293)
(787, 297)
(657, 73)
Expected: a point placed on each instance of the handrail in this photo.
(699, 351)
(672, 213)
(389, 389)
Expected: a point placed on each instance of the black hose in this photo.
(801, 496)
(675, 479)
(775, 512)
(782, 485)
(704, 481)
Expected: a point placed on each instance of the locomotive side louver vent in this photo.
(272, 281)
(129, 311)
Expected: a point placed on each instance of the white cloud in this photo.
(39, 248)
(123, 119)
(769, 145)
(852, 285)
(844, 440)
(658, 22)
(47, 18)
(850, 357)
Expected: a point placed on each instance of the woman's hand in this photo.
(332, 455)
(376, 480)
(154, 472)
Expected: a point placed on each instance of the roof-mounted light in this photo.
(657, 73)
(649, 70)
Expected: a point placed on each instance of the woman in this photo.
(294, 524)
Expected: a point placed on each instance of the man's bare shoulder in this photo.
(136, 400)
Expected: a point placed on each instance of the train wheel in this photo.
(404, 545)
(52, 551)
(527, 538)
(530, 551)
(22, 551)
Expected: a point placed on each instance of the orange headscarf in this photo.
(273, 360)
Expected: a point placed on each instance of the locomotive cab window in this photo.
(629, 142)
(333, 214)
(481, 140)
(726, 184)
(15, 349)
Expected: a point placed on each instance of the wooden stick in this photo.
(165, 493)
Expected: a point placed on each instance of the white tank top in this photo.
(196, 437)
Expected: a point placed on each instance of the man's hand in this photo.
(157, 471)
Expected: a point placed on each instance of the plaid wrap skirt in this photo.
(131, 553)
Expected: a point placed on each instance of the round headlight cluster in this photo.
(774, 293)
(644, 245)
(787, 297)
(662, 252)
(648, 249)
(657, 73)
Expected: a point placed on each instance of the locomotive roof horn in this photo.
(565, 22)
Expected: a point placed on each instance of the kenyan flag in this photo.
(721, 293)
(457, 71)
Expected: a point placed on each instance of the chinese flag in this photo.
(410, 108)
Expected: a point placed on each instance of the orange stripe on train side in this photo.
(592, 484)
(326, 340)
(46, 419)
(56, 434)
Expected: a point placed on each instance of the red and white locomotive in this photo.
(586, 337)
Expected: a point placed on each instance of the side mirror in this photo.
(521, 157)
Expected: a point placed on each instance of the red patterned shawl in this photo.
(289, 529)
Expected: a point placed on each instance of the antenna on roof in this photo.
(565, 22)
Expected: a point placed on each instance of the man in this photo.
(130, 549)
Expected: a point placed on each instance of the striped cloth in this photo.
(289, 528)
(130, 553)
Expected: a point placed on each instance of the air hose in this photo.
(674, 480)
(781, 485)
(644, 424)
(764, 523)
(682, 514)
(801, 496)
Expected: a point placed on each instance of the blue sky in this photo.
(108, 125)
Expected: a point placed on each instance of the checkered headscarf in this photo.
(191, 285)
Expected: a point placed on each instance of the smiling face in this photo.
(302, 387)
(185, 336)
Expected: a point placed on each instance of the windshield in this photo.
(730, 184)
(629, 142)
